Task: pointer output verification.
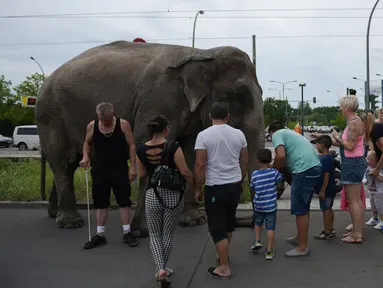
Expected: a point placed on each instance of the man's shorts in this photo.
(269, 218)
(303, 186)
(221, 203)
(326, 203)
(106, 178)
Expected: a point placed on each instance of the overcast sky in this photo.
(324, 63)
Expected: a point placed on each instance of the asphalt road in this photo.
(35, 254)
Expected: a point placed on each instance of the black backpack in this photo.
(167, 177)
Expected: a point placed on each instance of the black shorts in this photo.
(221, 202)
(104, 179)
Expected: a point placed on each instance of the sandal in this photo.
(169, 272)
(211, 272)
(351, 240)
(349, 228)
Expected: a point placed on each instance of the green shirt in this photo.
(300, 153)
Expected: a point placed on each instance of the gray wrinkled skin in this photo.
(143, 80)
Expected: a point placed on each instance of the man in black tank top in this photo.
(110, 138)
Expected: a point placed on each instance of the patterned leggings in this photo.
(161, 223)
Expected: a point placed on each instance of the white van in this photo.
(26, 137)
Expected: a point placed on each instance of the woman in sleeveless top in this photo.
(164, 207)
(353, 165)
(368, 121)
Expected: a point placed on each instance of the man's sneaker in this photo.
(256, 246)
(372, 222)
(324, 236)
(129, 239)
(269, 255)
(379, 225)
(95, 241)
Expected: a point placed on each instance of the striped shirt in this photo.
(263, 182)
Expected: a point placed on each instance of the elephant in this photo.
(142, 80)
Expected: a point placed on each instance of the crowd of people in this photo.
(220, 171)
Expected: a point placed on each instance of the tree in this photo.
(5, 89)
(275, 110)
(30, 86)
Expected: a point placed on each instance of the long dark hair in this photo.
(157, 125)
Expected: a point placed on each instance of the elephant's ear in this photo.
(196, 74)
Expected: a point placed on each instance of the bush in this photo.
(20, 181)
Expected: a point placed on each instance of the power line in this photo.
(189, 11)
(188, 17)
(189, 38)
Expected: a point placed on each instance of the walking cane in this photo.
(87, 200)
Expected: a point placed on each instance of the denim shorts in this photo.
(303, 186)
(269, 218)
(326, 203)
(352, 170)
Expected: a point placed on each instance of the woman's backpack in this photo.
(167, 177)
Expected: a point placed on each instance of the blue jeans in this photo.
(270, 219)
(326, 203)
(303, 186)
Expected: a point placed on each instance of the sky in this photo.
(282, 54)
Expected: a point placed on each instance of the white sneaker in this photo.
(372, 222)
(379, 225)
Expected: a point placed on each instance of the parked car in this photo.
(26, 138)
(5, 141)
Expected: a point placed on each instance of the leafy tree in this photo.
(274, 109)
(30, 86)
(5, 89)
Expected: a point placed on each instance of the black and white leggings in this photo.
(161, 223)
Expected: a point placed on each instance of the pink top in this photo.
(359, 148)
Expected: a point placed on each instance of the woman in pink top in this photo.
(353, 165)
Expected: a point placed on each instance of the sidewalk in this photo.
(34, 253)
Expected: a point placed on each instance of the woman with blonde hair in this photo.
(368, 120)
(353, 165)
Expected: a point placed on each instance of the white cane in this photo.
(87, 199)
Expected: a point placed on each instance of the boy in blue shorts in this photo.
(263, 184)
(327, 190)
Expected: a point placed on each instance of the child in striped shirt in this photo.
(263, 184)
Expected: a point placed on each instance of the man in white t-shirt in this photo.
(221, 159)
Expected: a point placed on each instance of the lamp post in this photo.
(337, 94)
(42, 158)
(368, 57)
(195, 22)
(283, 93)
(378, 74)
(366, 93)
(279, 91)
(302, 84)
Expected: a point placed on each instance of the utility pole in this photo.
(254, 51)
(302, 84)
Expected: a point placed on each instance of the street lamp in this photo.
(378, 74)
(302, 84)
(366, 93)
(279, 91)
(368, 56)
(42, 158)
(195, 22)
(337, 94)
(283, 91)
(41, 68)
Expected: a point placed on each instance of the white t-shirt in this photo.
(223, 144)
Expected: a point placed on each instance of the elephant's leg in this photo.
(67, 216)
(53, 204)
(192, 216)
(139, 225)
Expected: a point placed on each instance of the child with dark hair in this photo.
(263, 184)
(327, 190)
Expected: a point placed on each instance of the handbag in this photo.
(167, 177)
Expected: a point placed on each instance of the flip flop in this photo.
(211, 273)
(351, 240)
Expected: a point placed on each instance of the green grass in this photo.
(20, 181)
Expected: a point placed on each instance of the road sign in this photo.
(139, 40)
(28, 101)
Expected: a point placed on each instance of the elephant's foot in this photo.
(52, 209)
(69, 219)
(192, 217)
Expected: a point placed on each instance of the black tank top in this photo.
(109, 149)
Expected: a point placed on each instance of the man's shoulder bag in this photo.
(167, 177)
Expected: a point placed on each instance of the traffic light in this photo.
(373, 102)
(315, 100)
(350, 91)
